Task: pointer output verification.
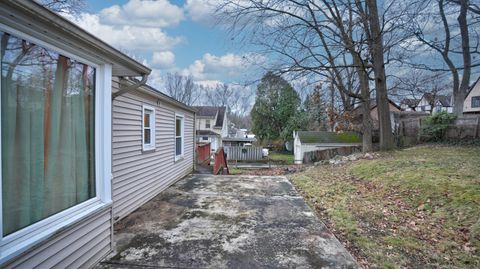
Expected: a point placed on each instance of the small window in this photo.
(207, 124)
(148, 123)
(475, 101)
(178, 137)
(205, 138)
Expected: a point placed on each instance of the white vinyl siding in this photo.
(138, 177)
(80, 246)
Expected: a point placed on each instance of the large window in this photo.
(178, 137)
(475, 101)
(207, 124)
(47, 133)
(148, 128)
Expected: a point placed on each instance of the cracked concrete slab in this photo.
(206, 221)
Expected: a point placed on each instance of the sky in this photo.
(170, 36)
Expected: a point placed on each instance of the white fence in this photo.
(243, 153)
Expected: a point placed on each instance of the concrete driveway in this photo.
(226, 222)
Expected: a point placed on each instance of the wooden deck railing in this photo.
(220, 162)
(203, 153)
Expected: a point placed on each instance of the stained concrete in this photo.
(226, 222)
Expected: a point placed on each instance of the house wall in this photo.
(374, 111)
(467, 104)
(200, 124)
(79, 246)
(139, 176)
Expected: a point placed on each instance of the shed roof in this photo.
(206, 133)
(314, 137)
(33, 19)
(239, 139)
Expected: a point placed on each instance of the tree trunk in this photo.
(467, 61)
(376, 48)
(367, 145)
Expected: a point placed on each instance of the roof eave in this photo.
(35, 18)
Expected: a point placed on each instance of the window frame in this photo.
(209, 124)
(152, 145)
(22, 240)
(475, 99)
(182, 136)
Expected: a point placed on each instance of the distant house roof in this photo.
(206, 111)
(206, 133)
(445, 100)
(220, 117)
(373, 104)
(314, 137)
(410, 102)
(212, 112)
(473, 86)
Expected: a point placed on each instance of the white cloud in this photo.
(227, 67)
(160, 13)
(129, 38)
(200, 10)
(163, 59)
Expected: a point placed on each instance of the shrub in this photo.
(435, 126)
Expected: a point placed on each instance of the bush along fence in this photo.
(437, 127)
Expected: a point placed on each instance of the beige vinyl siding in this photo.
(467, 104)
(79, 246)
(139, 176)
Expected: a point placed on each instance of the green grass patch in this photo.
(281, 157)
(415, 208)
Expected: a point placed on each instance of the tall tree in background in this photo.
(336, 39)
(275, 110)
(316, 111)
(182, 88)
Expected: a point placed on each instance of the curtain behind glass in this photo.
(47, 122)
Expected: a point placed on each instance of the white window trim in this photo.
(152, 145)
(209, 124)
(182, 135)
(20, 241)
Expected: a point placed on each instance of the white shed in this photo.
(307, 141)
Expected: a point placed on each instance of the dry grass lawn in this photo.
(412, 208)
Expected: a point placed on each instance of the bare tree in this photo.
(64, 6)
(182, 88)
(327, 38)
(415, 83)
(454, 41)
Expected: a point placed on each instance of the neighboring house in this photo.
(65, 177)
(435, 103)
(408, 104)
(472, 101)
(357, 114)
(307, 141)
(211, 125)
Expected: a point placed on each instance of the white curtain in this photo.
(47, 119)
